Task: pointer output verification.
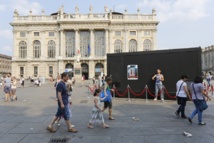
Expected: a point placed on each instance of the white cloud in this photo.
(181, 10)
(6, 34)
(2, 7)
(24, 6)
(6, 49)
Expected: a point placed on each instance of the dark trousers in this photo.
(181, 109)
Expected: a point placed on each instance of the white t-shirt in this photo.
(182, 92)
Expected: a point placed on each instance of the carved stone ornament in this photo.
(77, 9)
(90, 8)
(106, 9)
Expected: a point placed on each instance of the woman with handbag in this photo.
(182, 94)
(198, 92)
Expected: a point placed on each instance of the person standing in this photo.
(97, 115)
(208, 78)
(22, 81)
(7, 87)
(198, 92)
(13, 89)
(63, 107)
(182, 94)
(159, 78)
(108, 100)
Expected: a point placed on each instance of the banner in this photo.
(132, 72)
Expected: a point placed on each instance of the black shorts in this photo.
(107, 104)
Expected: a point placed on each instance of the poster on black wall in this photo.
(132, 72)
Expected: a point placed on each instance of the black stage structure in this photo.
(173, 63)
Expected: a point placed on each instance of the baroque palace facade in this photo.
(47, 45)
(208, 59)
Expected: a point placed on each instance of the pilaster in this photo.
(139, 40)
(77, 41)
(92, 51)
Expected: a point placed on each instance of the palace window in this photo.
(36, 34)
(51, 34)
(100, 49)
(146, 33)
(21, 71)
(35, 71)
(22, 49)
(36, 49)
(132, 45)
(118, 46)
(22, 34)
(70, 44)
(132, 32)
(117, 33)
(50, 70)
(147, 45)
(85, 43)
(51, 49)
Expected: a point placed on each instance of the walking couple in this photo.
(197, 91)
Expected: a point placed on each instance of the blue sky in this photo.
(183, 23)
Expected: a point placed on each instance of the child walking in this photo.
(97, 115)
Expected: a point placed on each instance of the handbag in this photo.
(202, 104)
(177, 97)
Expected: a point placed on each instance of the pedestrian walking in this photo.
(63, 108)
(182, 94)
(13, 89)
(197, 90)
(22, 81)
(159, 78)
(108, 100)
(208, 78)
(97, 112)
(7, 87)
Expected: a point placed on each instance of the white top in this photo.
(13, 85)
(182, 92)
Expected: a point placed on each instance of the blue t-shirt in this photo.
(61, 87)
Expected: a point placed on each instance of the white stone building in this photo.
(208, 59)
(45, 45)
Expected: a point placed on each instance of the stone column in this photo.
(126, 41)
(62, 43)
(154, 39)
(139, 40)
(106, 42)
(57, 45)
(77, 41)
(92, 54)
(91, 69)
(43, 45)
(29, 45)
(111, 41)
(15, 46)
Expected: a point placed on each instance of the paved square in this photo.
(25, 120)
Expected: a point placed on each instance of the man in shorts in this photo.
(7, 87)
(63, 107)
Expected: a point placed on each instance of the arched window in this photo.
(118, 46)
(100, 50)
(132, 45)
(70, 44)
(36, 49)
(51, 49)
(22, 49)
(147, 45)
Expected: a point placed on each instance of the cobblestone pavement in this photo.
(25, 120)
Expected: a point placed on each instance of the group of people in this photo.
(63, 87)
(9, 85)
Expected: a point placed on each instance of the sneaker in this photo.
(190, 120)
(72, 130)
(202, 123)
(155, 99)
(183, 117)
(176, 113)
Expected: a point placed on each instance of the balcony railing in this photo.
(72, 17)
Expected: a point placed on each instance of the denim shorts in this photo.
(7, 89)
(65, 113)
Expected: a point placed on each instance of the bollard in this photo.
(129, 99)
(147, 93)
(114, 91)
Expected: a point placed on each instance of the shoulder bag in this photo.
(177, 97)
(202, 104)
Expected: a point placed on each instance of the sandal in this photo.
(72, 130)
(51, 129)
(90, 126)
(105, 126)
(111, 118)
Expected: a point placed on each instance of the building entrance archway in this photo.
(85, 70)
(69, 68)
